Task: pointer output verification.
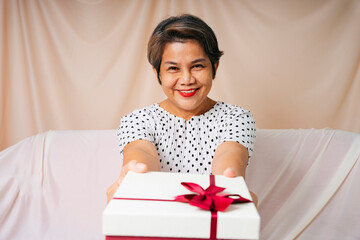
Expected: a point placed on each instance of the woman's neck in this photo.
(187, 114)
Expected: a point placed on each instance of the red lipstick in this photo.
(188, 92)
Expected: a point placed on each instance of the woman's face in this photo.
(186, 77)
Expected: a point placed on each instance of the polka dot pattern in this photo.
(188, 146)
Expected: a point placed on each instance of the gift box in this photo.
(145, 207)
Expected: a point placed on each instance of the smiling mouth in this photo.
(188, 93)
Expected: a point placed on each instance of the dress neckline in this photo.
(193, 117)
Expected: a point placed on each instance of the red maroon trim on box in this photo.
(151, 238)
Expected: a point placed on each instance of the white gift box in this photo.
(140, 209)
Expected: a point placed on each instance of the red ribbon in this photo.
(208, 199)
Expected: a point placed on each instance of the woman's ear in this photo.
(217, 65)
(154, 70)
(157, 75)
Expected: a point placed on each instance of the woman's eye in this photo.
(198, 66)
(173, 68)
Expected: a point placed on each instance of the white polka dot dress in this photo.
(188, 146)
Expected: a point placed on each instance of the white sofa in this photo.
(52, 185)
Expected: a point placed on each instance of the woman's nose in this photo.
(187, 78)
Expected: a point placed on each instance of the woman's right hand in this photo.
(133, 166)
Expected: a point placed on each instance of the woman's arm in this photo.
(230, 160)
(139, 156)
(230, 155)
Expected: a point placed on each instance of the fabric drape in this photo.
(53, 184)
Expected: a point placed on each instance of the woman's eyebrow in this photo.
(170, 63)
(199, 60)
(192, 62)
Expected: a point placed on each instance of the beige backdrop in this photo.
(69, 64)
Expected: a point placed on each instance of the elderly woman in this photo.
(187, 132)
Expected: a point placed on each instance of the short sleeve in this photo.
(135, 126)
(239, 126)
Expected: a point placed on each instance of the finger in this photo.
(230, 172)
(122, 175)
(111, 191)
(139, 168)
(124, 170)
(254, 198)
(133, 166)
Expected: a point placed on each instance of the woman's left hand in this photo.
(230, 172)
(133, 166)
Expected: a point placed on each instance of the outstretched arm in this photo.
(139, 156)
(230, 160)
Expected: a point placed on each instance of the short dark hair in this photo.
(180, 29)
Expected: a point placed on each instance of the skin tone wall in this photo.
(294, 65)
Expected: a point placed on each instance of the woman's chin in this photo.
(188, 104)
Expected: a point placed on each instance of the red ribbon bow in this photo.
(209, 199)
